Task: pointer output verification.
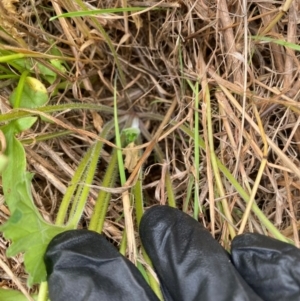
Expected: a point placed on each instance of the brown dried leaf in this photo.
(97, 121)
(131, 156)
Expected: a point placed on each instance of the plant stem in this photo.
(196, 153)
(43, 291)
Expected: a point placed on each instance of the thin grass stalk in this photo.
(190, 186)
(170, 190)
(292, 210)
(45, 137)
(197, 207)
(125, 195)
(19, 113)
(138, 199)
(209, 174)
(112, 49)
(161, 158)
(259, 174)
(196, 153)
(214, 161)
(263, 219)
(282, 12)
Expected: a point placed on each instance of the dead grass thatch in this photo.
(243, 81)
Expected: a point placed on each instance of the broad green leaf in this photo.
(12, 295)
(29, 234)
(34, 94)
(15, 172)
(25, 227)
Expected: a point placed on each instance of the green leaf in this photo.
(48, 74)
(15, 172)
(23, 124)
(29, 234)
(24, 64)
(16, 169)
(3, 162)
(34, 94)
(99, 11)
(26, 228)
(12, 295)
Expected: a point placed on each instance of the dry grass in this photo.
(158, 52)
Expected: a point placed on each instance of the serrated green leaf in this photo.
(12, 295)
(15, 172)
(34, 94)
(26, 228)
(29, 234)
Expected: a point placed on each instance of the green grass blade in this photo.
(139, 209)
(19, 113)
(196, 153)
(102, 202)
(85, 13)
(78, 176)
(277, 41)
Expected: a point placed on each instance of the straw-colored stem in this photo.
(259, 174)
